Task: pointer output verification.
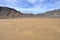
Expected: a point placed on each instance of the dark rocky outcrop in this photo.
(9, 12)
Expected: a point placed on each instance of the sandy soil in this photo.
(30, 29)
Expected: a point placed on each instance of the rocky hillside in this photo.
(9, 12)
(54, 13)
(6, 12)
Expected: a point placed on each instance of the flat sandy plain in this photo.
(30, 29)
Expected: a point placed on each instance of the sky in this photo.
(32, 6)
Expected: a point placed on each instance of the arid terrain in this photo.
(7, 13)
(30, 29)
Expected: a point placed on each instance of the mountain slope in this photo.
(6, 12)
(54, 13)
(9, 12)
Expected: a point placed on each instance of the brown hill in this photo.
(9, 12)
(54, 13)
(6, 12)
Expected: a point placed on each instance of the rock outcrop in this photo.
(9, 12)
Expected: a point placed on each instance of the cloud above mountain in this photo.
(32, 6)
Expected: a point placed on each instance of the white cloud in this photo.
(32, 1)
(1, 5)
(14, 2)
(38, 5)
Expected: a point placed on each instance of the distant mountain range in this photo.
(52, 14)
(6, 12)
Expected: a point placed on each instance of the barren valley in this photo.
(30, 29)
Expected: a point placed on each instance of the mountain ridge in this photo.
(6, 12)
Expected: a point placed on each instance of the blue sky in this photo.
(31, 6)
